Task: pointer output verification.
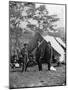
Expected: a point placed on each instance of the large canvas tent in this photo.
(56, 46)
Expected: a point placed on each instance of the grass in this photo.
(33, 78)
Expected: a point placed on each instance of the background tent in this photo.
(56, 47)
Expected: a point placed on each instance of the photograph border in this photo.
(65, 43)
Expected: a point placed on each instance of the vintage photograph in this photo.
(37, 44)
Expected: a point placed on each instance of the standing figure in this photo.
(50, 55)
(38, 54)
(24, 53)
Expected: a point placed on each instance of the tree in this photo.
(25, 16)
(14, 21)
(45, 21)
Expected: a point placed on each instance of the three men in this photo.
(41, 51)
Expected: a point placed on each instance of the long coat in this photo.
(45, 52)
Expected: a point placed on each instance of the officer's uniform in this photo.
(24, 53)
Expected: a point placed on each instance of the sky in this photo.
(56, 9)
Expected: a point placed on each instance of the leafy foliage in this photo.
(26, 17)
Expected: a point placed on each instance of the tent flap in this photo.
(56, 46)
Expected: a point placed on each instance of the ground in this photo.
(34, 78)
